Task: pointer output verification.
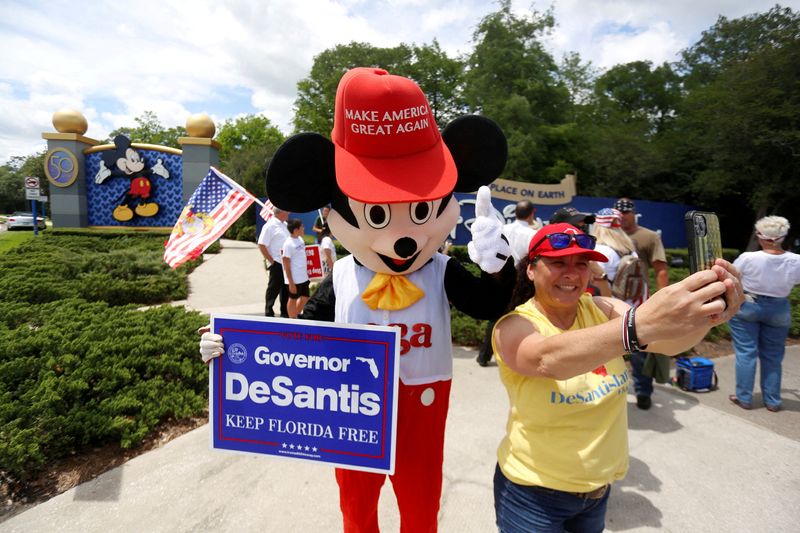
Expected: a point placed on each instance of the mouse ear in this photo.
(479, 149)
(302, 175)
(122, 142)
(121, 145)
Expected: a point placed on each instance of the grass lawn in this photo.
(10, 239)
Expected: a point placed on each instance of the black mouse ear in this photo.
(479, 149)
(122, 142)
(302, 175)
(121, 145)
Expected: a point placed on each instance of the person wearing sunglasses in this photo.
(760, 328)
(560, 354)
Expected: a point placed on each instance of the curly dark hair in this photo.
(524, 289)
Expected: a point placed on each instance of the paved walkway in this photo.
(698, 463)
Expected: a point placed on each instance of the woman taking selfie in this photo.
(560, 357)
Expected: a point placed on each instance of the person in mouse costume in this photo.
(389, 177)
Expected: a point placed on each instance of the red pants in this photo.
(417, 479)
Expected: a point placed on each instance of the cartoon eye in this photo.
(420, 212)
(377, 215)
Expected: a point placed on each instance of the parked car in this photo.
(22, 220)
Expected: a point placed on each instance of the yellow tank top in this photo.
(569, 435)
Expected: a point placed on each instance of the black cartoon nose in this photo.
(405, 247)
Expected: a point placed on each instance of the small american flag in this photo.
(216, 204)
(608, 217)
(266, 210)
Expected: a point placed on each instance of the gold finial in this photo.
(200, 125)
(70, 121)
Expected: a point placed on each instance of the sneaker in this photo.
(643, 402)
(737, 401)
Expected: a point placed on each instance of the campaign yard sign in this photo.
(301, 389)
(314, 265)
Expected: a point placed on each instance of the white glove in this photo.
(211, 346)
(102, 174)
(487, 249)
(160, 169)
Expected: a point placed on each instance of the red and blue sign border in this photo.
(374, 339)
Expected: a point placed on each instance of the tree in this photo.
(513, 80)
(316, 94)
(248, 144)
(745, 127)
(732, 41)
(738, 134)
(149, 130)
(441, 79)
(246, 133)
(641, 92)
(12, 176)
(579, 80)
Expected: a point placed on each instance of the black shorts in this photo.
(302, 290)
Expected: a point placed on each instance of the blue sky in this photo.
(113, 60)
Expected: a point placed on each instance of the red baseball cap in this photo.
(545, 248)
(387, 144)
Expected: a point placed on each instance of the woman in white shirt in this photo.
(760, 328)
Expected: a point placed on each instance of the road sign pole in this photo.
(35, 222)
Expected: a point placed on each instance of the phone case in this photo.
(705, 241)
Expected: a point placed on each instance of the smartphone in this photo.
(705, 242)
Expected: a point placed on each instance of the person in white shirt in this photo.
(295, 271)
(328, 250)
(270, 242)
(520, 232)
(760, 328)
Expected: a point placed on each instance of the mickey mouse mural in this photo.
(126, 162)
(389, 175)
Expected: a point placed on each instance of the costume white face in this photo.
(395, 238)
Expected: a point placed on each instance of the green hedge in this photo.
(117, 270)
(75, 373)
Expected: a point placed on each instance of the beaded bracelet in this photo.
(630, 342)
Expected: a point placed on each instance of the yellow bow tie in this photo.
(391, 292)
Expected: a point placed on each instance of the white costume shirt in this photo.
(519, 234)
(426, 353)
(295, 249)
(273, 235)
(769, 274)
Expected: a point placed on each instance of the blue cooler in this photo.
(695, 374)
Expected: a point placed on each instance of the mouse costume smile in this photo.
(389, 176)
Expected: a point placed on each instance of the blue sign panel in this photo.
(167, 193)
(306, 390)
(663, 217)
